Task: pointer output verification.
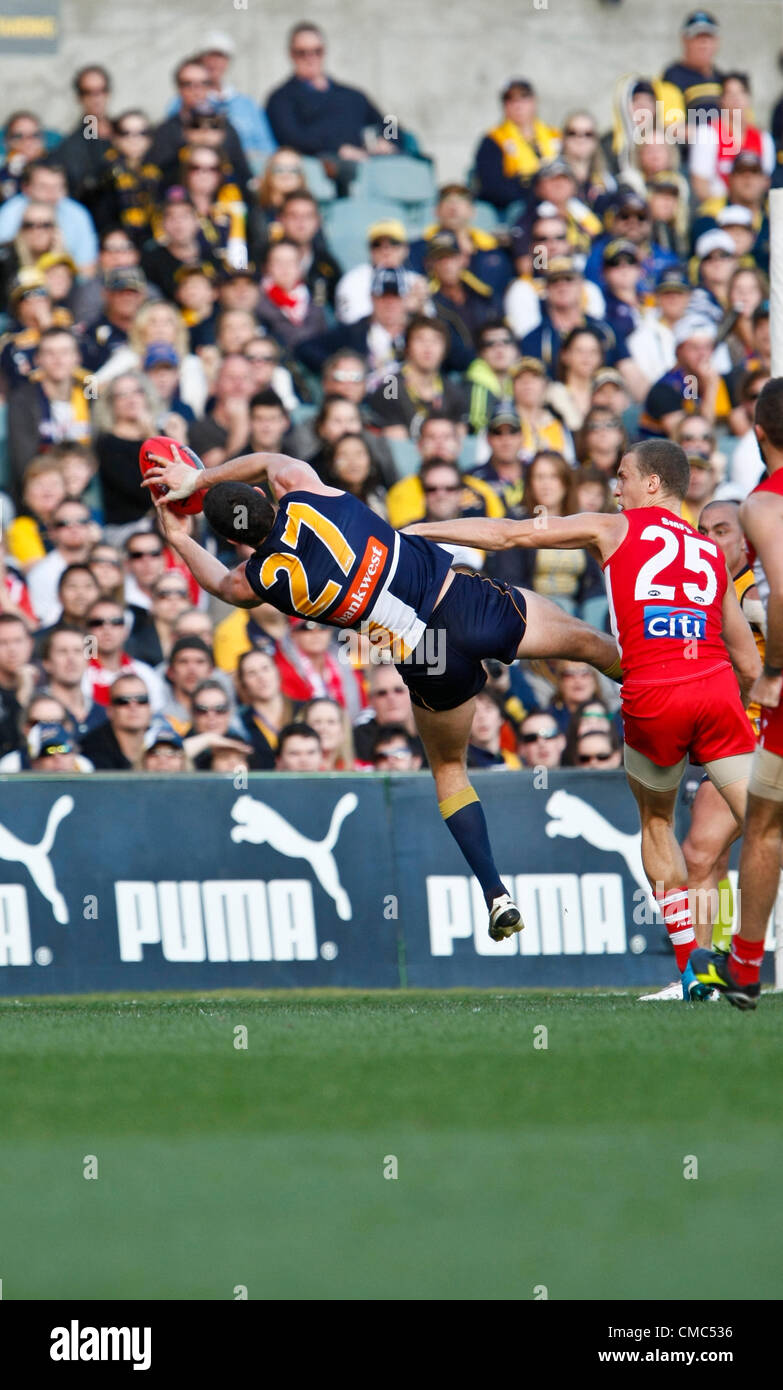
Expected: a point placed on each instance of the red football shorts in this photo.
(702, 718)
(771, 736)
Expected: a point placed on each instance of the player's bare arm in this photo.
(740, 643)
(284, 474)
(600, 532)
(229, 585)
(761, 517)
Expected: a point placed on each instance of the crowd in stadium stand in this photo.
(290, 277)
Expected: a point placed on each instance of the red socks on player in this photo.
(677, 919)
(746, 958)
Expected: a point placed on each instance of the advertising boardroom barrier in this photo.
(140, 882)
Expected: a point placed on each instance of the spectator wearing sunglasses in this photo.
(43, 181)
(395, 751)
(193, 82)
(249, 121)
(511, 153)
(503, 470)
(109, 628)
(212, 728)
(541, 742)
(128, 183)
(490, 374)
(118, 744)
(82, 157)
(72, 533)
(599, 751)
(585, 157)
(24, 141)
(38, 235)
(152, 637)
(387, 244)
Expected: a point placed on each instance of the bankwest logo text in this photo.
(661, 620)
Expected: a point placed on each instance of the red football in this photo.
(186, 506)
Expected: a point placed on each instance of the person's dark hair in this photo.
(103, 602)
(431, 464)
(491, 326)
(267, 397)
(48, 638)
(191, 62)
(736, 76)
(112, 231)
(210, 684)
(123, 116)
(21, 115)
(749, 380)
(419, 322)
(43, 163)
(303, 27)
(300, 730)
(667, 460)
(569, 758)
(343, 355)
(275, 246)
(570, 338)
(332, 478)
(436, 415)
(189, 644)
(75, 569)
(386, 734)
(79, 76)
(565, 474)
(56, 331)
(299, 195)
(598, 414)
(769, 411)
(326, 404)
(239, 513)
(588, 473)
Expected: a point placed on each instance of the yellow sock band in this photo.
(455, 803)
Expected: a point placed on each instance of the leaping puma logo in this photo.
(259, 824)
(36, 857)
(575, 818)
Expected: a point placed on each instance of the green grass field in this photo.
(517, 1166)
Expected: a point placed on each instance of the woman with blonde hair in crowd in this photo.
(124, 416)
(333, 726)
(158, 322)
(583, 154)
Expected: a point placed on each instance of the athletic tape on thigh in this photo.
(658, 779)
(723, 771)
(766, 775)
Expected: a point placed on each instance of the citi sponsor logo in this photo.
(75, 1343)
(661, 620)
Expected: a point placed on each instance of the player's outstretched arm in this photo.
(741, 643)
(207, 570)
(598, 531)
(285, 474)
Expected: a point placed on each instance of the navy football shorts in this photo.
(477, 618)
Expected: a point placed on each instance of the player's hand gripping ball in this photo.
(171, 463)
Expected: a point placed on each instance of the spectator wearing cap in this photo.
(116, 250)
(51, 406)
(109, 627)
(628, 219)
(610, 391)
(244, 114)
(285, 308)
(716, 144)
(738, 222)
(180, 243)
(315, 115)
(193, 84)
(81, 152)
(748, 185)
(421, 384)
(695, 73)
(621, 261)
(510, 154)
(503, 469)
(40, 709)
(124, 293)
(128, 184)
(693, 386)
(548, 238)
(50, 748)
(651, 344)
(60, 271)
(562, 311)
(387, 244)
(716, 260)
(489, 375)
(31, 305)
(460, 300)
(163, 749)
(43, 181)
(541, 429)
(161, 367)
(117, 744)
(454, 212)
(379, 338)
(299, 220)
(222, 431)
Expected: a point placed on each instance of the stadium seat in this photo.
(407, 459)
(346, 222)
(468, 454)
(317, 180)
(485, 216)
(406, 180)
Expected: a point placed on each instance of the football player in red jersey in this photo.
(680, 630)
(761, 515)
